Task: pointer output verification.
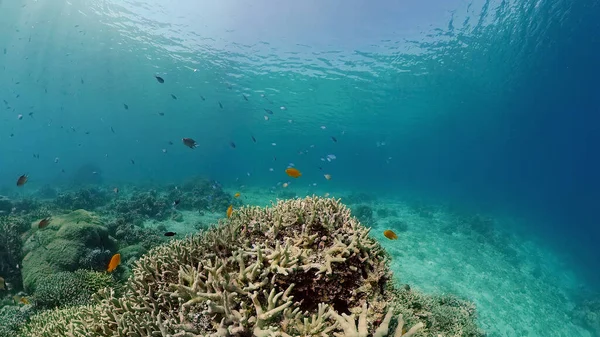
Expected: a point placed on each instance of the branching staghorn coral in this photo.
(300, 268)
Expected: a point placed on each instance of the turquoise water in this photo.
(481, 107)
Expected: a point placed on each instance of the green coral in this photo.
(302, 267)
(12, 318)
(61, 245)
(68, 289)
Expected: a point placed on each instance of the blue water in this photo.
(492, 105)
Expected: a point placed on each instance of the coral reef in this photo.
(60, 246)
(6, 205)
(587, 313)
(304, 267)
(141, 206)
(200, 194)
(69, 288)
(386, 212)
(11, 319)
(11, 246)
(364, 213)
(128, 234)
(85, 198)
(397, 225)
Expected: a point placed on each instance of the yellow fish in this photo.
(327, 176)
(229, 211)
(390, 234)
(237, 195)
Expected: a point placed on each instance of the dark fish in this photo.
(132, 162)
(170, 143)
(246, 98)
(189, 142)
(170, 234)
(22, 180)
(221, 105)
(270, 112)
(126, 106)
(176, 202)
(37, 156)
(87, 132)
(31, 114)
(63, 170)
(5, 102)
(44, 222)
(161, 113)
(202, 97)
(232, 144)
(333, 138)
(173, 96)
(112, 130)
(253, 139)
(82, 81)
(12, 135)
(4, 51)
(159, 79)
(274, 158)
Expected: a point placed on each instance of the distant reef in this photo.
(303, 267)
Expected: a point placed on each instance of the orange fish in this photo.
(115, 261)
(390, 234)
(44, 222)
(22, 180)
(328, 176)
(229, 211)
(293, 172)
(237, 195)
(24, 300)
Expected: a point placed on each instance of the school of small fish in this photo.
(268, 114)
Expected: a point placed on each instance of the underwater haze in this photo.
(434, 110)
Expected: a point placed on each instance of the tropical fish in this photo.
(189, 142)
(390, 234)
(229, 211)
(159, 79)
(176, 202)
(327, 176)
(170, 234)
(116, 190)
(44, 223)
(284, 185)
(293, 172)
(22, 180)
(20, 299)
(237, 195)
(115, 261)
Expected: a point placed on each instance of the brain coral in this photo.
(304, 267)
